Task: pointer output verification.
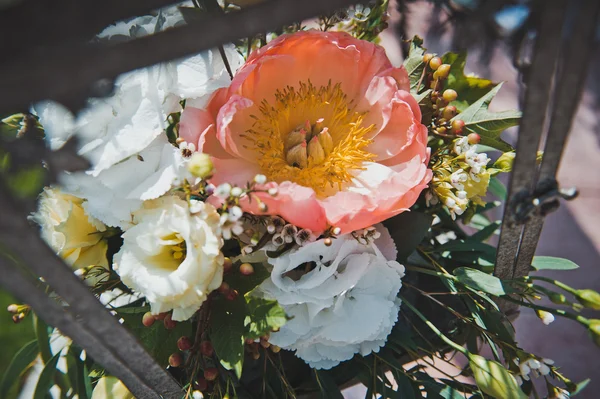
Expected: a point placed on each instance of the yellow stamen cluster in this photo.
(311, 136)
(173, 253)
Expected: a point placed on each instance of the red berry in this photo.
(224, 288)
(457, 126)
(206, 348)
(211, 374)
(175, 360)
(474, 138)
(160, 316)
(201, 384)
(148, 319)
(449, 112)
(184, 343)
(246, 269)
(169, 323)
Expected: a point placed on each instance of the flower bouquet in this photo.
(292, 214)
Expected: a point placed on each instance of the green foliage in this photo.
(247, 316)
(77, 373)
(18, 366)
(414, 63)
(159, 341)
(46, 380)
(408, 230)
(480, 281)
(489, 125)
(470, 88)
(328, 389)
(552, 263)
(493, 379)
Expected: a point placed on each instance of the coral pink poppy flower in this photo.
(329, 120)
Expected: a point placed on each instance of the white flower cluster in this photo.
(532, 366)
(342, 298)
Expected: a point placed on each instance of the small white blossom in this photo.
(458, 178)
(236, 192)
(223, 190)
(235, 213)
(260, 179)
(273, 191)
(461, 145)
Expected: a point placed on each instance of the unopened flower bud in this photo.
(206, 348)
(184, 343)
(263, 207)
(198, 394)
(588, 298)
(558, 299)
(169, 323)
(236, 192)
(594, 331)
(200, 165)
(273, 191)
(435, 63)
(450, 95)
(211, 373)
(327, 242)
(275, 349)
(545, 317)
(260, 179)
(13, 308)
(175, 360)
(246, 269)
(336, 231)
(148, 319)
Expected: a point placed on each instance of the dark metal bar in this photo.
(67, 74)
(53, 314)
(34, 23)
(24, 241)
(567, 95)
(537, 95)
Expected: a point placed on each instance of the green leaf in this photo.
(479, 280)
(264, 316)
(497, 188)
(408, 230)
(486, 232)
(469, 88)
(489, 125)
(42, 332)
(20, 362)
(327, 386)
(493, 379)
(435, 390)
(227, 332)
(76, 372)
(580, 386)
(414, 63)
(159, 341)
(424, 100)
(552, 263)
(46, 380)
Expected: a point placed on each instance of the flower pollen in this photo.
(311, 136)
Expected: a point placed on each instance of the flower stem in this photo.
(557, 283)
(434, 328)
(556, 312)
(430, 272)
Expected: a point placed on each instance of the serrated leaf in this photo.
(227, 332)
(552, 263)
(479, 280)
(264, 316)
(414, 63)
(46, 380)
(489, 125)
(20, 362)
(469, 88)
(408, 230)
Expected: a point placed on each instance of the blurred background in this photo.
(492, 32)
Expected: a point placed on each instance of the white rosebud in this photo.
(260, 179)
(236, 192)
(223, 190)
(545, 317)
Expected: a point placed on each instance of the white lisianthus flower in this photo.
(342, 298)
(69, 231)
(172, 256)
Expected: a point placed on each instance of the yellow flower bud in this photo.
(589, 298)
(200, 165)
(505, 162)
(594, 331)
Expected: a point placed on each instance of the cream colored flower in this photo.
(109, 387)
(172, 256)
(342, 298)
(69, 231)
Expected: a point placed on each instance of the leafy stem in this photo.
(556, 312)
